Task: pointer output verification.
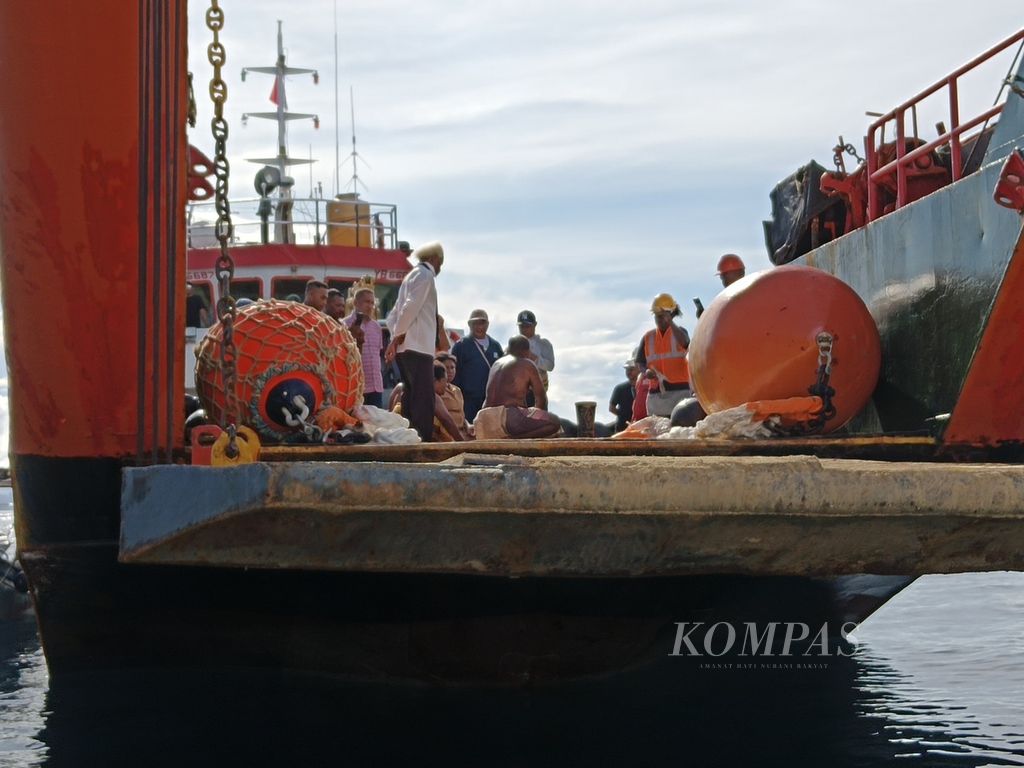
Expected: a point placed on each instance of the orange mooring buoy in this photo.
(759, 340)
(285, 351)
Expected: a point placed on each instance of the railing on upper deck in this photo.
(375, 225)
(877, 176)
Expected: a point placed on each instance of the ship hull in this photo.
(97, 613)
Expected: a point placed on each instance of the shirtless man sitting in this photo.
(505, 413)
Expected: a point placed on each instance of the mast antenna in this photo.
(337, 122)
(282, 116)
(355, 182)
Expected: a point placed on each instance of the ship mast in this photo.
(355, 181)
(282, 228)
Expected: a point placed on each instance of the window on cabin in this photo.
(246, 288)
(386, 296)
(289, 288)
(341, 285)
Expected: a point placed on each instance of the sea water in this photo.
(937, 680)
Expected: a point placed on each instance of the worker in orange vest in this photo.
(663, 354)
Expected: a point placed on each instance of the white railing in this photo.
(372, 224)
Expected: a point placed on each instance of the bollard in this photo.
(585, 413)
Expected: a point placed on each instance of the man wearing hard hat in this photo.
(663, 354)
(730, 269)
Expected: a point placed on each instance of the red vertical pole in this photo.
(872, 164)
(954, 123)
(901, 150)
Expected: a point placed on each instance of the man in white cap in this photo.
(474, 355)
(413, 326)
(541, 351)
(662, 354)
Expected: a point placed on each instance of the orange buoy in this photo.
(765, 336)
(292, 362)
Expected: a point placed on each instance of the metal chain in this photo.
(192, 109)
(299, 417)
(821, 388)
(225, 266)
(837, 154)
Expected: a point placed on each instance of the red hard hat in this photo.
(730, 263)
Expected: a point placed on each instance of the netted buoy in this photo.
(292, 361)
(767, 336)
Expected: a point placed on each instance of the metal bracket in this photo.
(1009, 191)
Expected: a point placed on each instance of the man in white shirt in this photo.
(541, 351)
(413, 325)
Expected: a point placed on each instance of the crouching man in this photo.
(505, 413)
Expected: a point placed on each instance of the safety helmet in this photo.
(730, 263)
(664, 302)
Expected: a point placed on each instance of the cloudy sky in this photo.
(577, 158)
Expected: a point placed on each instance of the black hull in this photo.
(95, 613)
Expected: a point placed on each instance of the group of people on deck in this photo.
(476, 389)
(450, 391)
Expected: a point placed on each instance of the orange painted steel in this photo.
(91, 118)
(990, 409)
(757, 341)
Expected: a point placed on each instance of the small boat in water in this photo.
(510, 562)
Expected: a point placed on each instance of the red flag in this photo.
(278, 96)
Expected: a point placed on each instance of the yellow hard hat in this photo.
(664, 302)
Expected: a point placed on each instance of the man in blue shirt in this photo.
(621, 403)
(474, 355)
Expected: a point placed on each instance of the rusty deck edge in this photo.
(880, 448)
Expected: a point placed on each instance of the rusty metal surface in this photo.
(875, 447)
(593, 516)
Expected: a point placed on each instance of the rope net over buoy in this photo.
(293, 362)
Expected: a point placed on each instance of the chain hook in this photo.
(821, 387)
(300, 419)
(824, 342)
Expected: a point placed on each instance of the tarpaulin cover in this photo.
(796, 201)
